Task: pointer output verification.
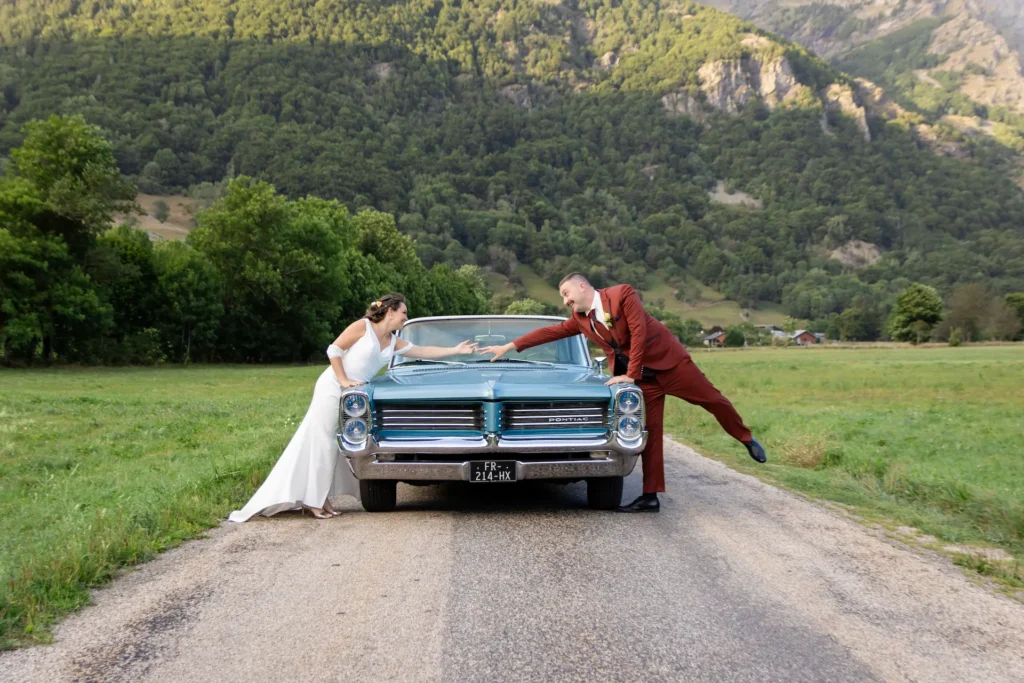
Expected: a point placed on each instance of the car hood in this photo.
(490, 383)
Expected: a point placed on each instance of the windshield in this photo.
(491, 332)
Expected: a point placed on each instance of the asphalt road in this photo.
(734, 580)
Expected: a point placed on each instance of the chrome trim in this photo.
(553, 415)
(554, 410)
(396, 411)
(553, 318)
(491, 443)
(613, 465)
(586, 422)
(366, 416)
(428, 318)
(641, 413)
(455, 416)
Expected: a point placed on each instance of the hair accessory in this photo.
(378, 303)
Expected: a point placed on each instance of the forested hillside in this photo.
(563, 135)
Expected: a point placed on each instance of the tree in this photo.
(161, 211)
(191, 298)
(1016, 302)
(525, 307)
(968, 308)
(734, 337)
(917, 310)
(692, 332)
(288, 271)
(851, 325)
(456, 293)
(1002, 322)
(475, 278)
(48, 304)
(122, 265)
(73, 169)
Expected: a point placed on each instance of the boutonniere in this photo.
(607, 319)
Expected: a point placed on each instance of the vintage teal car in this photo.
(545, 413)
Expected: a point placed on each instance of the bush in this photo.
(955, 336)
(734, 337)
(525, 307)
(161, 211)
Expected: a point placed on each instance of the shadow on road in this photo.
(467, 497)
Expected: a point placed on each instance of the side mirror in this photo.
(598, 363)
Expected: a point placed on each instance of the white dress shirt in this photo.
(598, 309)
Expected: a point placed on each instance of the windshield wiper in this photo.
(430, 361)
(523, 360)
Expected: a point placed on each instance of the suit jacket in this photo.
(641, 337)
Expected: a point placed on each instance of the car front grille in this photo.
(437, 416)
(554, 415)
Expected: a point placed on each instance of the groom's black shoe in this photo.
(756, 451)
(645, 503)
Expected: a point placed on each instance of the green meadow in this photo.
(931, 438)
(103, 468)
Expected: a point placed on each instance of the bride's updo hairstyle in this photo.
(379, 308)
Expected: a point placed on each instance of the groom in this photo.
(645, 352)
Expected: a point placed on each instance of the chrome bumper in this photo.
(604, 456)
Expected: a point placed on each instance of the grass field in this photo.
(102, 468)
(713, 308)
(537, 287)
(927, 438)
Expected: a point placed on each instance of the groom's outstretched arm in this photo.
(566, 328)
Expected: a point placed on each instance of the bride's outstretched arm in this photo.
(343, 343)
(427, 352)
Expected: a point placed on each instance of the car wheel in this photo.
(378, 495)
(604, 493)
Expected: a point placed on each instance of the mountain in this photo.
(955, 62)
(607, 136)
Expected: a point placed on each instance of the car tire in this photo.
(378, 495)
(604, 493)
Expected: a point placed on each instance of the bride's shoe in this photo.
(319, 514)
(329, 509)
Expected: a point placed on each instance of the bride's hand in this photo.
(349, 383)
(498, 351)
(465, 347)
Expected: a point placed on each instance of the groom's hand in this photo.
(498, 351)
(620, 379)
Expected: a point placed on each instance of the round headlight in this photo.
(629, 402)
(355, 430)
(629, 426)
(355, 405)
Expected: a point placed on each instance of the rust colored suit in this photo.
(650, 346)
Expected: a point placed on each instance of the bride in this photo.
(310, 471)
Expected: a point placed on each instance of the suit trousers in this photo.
(687, 382)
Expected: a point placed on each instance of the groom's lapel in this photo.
(606, 303)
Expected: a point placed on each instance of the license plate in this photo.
(490, 471)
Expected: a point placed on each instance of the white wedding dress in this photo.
(312, 470)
